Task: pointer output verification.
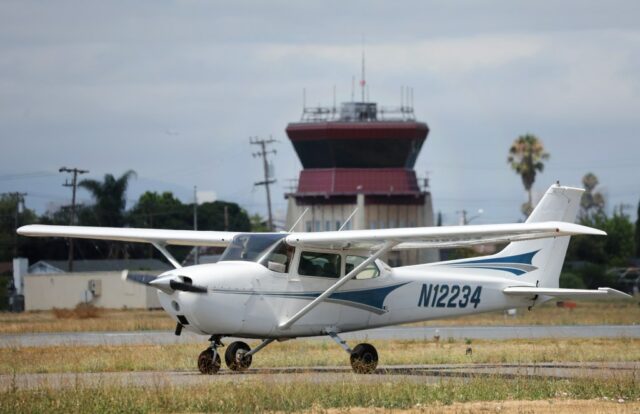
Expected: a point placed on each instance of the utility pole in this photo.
(19, 199)
(267, 181)
(195, 221)
(74, 185)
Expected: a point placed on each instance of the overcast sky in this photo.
(174, 90)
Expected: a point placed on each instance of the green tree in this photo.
(211, 216)
(165, 211)
(526, 157)
(258, 223)
(160, 211)
(615, 249)
(618, 245)
(12, 245)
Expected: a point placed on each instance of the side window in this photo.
(368, 272)
(319, 264)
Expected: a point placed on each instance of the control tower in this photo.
(361, 156)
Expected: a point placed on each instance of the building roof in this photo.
(62, 266)
(347, 181)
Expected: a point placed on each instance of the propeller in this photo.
(167, 284)
(186, 287)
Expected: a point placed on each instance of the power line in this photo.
(19, 176)
(73, 184)
(267, 181)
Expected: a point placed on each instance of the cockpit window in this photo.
(250, 247)
(278, 257)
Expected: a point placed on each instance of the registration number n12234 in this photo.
(449, 296)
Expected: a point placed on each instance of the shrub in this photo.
(570, 280)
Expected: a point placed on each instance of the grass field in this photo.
(494, 394)
(586, 313)
(309, 353)
(618, 394)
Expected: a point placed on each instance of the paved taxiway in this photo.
(415, 373)
(410, 332)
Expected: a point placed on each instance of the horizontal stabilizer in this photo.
(600, 293)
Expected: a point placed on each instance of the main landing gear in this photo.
(364, 357)
(238, 355)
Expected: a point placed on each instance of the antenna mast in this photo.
(363, 82)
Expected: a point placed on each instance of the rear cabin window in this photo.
(369, 272)
(319, 264)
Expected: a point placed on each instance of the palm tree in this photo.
(110, 197)
(592, 200)
(526, 157)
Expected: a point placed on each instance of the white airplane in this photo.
(280, 286)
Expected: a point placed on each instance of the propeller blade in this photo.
(142, 278)
(186, 287)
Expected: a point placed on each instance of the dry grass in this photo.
(549, 406)
(309, 353)
(81, 311)
(107, 320)
(471, 395)
(586, 313)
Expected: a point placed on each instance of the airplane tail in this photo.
(540, 261)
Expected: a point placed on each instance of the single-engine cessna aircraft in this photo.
(279, 286)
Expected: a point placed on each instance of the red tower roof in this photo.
(349, 181)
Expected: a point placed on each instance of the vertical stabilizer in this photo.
(545, 256)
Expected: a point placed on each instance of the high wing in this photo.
(159, 238)
(437, 237)
(162, 237)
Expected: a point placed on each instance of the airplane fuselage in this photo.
(245, 299)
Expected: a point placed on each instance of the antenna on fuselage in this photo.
(348, 219)
(299, 218)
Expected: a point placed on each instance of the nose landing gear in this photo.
(238, 355)
(209, 359)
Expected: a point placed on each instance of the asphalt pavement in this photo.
(403, 332)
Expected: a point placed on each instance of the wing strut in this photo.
(388, 245)
(168, 255)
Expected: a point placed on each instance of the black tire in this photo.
(207, 364)
(364, 359)
(233, 356)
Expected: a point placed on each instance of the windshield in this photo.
(250, 247)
